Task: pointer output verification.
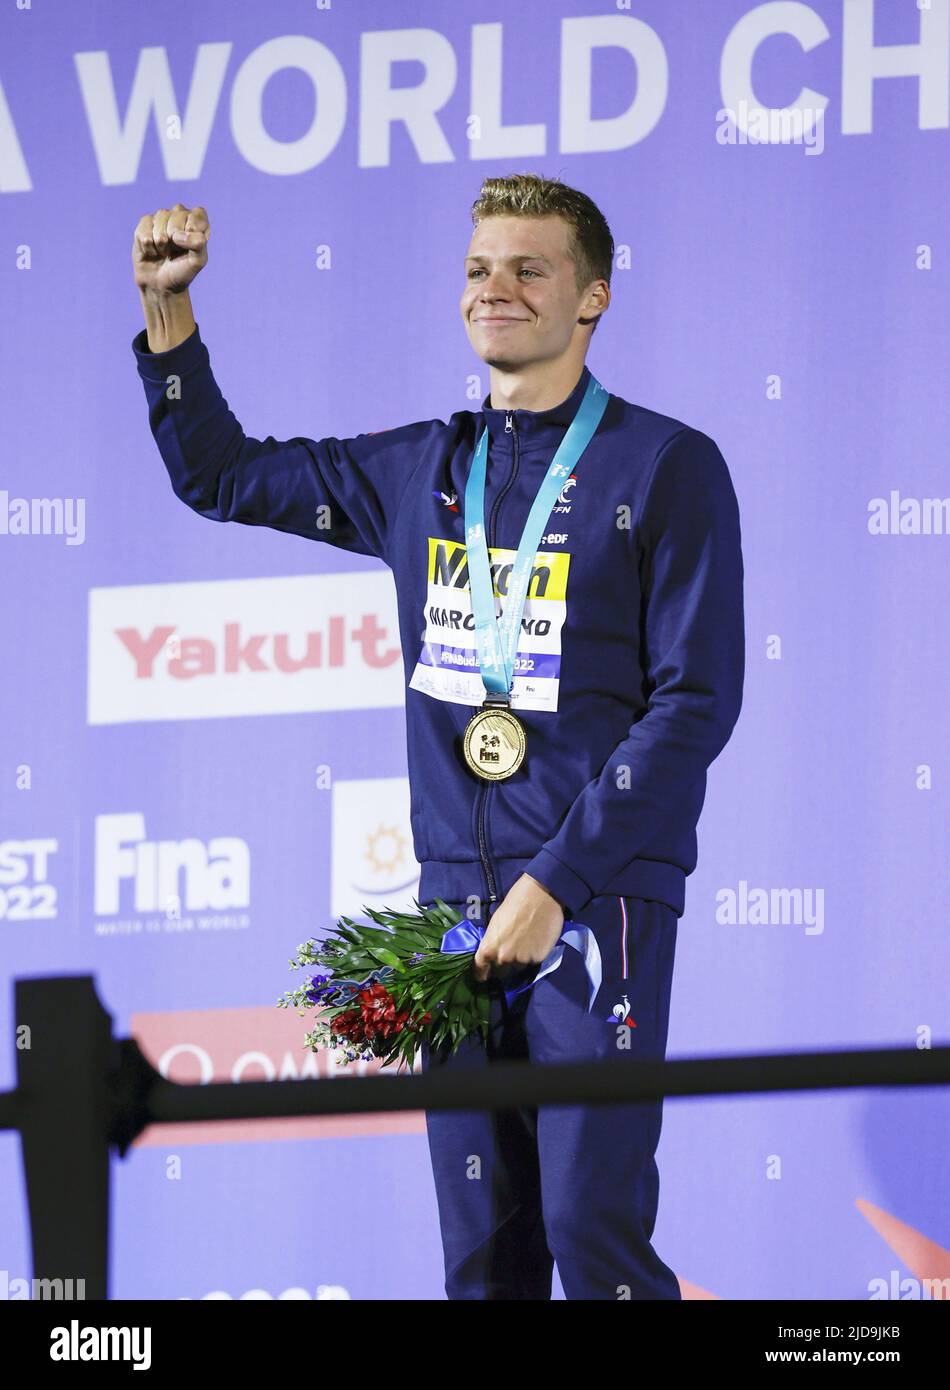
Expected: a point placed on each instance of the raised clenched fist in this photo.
(169, 248)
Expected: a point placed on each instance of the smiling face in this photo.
(521, 304)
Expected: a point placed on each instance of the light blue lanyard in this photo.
(497, 638)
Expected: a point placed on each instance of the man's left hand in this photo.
(523, 931)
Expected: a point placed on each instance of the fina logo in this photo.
(216, 872)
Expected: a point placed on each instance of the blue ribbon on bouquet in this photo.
(343, 991)
(467, 935)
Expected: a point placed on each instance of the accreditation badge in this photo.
(494, 740)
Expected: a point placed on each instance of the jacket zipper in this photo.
(483, 791)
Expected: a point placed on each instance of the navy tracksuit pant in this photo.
(521, 1190)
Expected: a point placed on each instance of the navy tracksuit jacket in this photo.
(631, 663)
(628, 683)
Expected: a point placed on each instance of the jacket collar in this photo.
(534, 425)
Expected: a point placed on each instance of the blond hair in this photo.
(591, 246)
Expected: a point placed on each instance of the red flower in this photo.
(377, 1008)
(348, 1024)
(376, 1017)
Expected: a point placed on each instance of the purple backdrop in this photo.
(781, 284)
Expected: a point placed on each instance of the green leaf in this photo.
(379, 953)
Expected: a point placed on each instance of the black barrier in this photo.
(80, 1091)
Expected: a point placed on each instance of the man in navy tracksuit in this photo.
(626, 685)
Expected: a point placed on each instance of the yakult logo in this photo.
(244, 646)
(189, 657)
(167, 876)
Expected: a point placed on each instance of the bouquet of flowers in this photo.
(382, 989)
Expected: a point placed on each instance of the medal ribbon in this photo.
(497, 638)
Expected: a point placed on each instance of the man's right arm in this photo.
(169, 248)
(345, 492)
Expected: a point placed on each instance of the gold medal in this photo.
(494, 743)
